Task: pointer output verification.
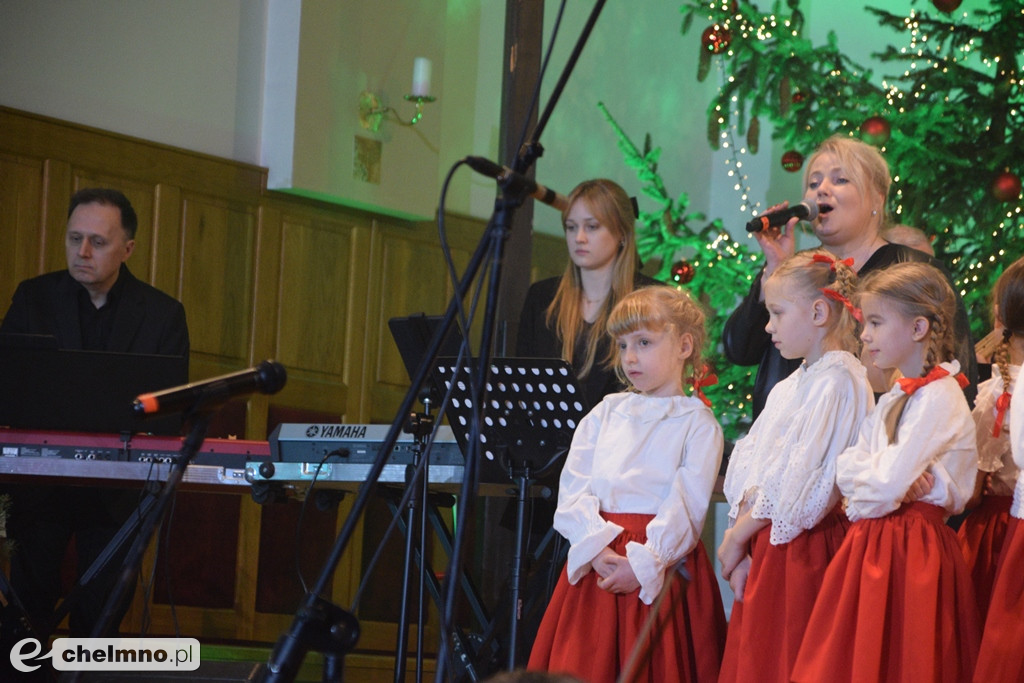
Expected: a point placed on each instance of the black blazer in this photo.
(148, 321)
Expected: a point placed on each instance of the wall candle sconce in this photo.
(371, 113)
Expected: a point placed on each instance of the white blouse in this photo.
(994, 452)
(784, 469)
(639, 454)
(1017, 449)
(936, 433)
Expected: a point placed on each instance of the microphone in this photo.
(807, 211)
(268, 377)
(517, 183)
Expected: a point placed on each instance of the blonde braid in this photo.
(917, 290)
(1002, 358)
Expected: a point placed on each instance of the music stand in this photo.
(412, 336)
(531, 409)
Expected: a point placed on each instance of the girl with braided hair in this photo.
(982, 533)
(1001, 657)
(896, 603)
(781, 481)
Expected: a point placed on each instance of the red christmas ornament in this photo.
(946, 6)
(1006, 186)
(682, 272)
(875, 130)
(792, 161)
(715, 39)
(799, 97)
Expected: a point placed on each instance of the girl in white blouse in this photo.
(982, 533)
(1001, 657)
(897, 602)
(781, 480)
(631, 501)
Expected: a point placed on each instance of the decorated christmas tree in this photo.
(700, 255)
(949, 117)
(946, 110)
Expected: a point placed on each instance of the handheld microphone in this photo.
(517, 183)
(268, 377)
(807, 211)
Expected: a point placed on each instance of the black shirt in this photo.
(96, 323)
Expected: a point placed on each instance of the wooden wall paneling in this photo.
(309, 312)
(265, 302)
(47, 138)
(357, 374)
(409, 277)
(165, 235)
(247, 573)
(314, 300)
(21, 190)
(57, 188)
(218, 262)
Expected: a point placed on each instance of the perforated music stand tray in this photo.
(531, 410)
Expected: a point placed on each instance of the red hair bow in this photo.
(836, 296)
(912, 384)
(1002, 404)
(703, 378)
(824, 258)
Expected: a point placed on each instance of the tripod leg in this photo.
(116, 543)
(517, 572)
(403, 616)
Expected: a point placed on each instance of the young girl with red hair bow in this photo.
(780, 484)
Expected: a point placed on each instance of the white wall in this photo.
(190, 73)
(186, 73)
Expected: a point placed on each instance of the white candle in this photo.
(421, 77)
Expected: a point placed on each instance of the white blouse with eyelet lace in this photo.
(784, 469)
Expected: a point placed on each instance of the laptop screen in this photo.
(42, 387)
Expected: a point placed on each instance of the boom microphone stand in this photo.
(324, 627)
(202, 400)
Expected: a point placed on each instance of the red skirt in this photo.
(1001, 657)
(896, 605)
(766, 629)
(981, 539)
(591, 633)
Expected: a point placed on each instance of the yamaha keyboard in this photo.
(355, 443)
(341, 455)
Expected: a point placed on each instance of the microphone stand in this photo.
(199, 422)
(417, 480)
(318, 624)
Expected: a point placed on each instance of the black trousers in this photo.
(42, 521)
